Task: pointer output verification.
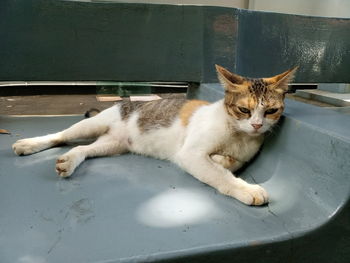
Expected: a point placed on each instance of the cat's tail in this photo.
(91, 112)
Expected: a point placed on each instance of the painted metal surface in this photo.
(63, 40)
(107, 41)
(269, 43)
(135, 209)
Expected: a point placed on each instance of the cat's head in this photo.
(255, 104)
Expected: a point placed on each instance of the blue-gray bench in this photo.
(137, 209)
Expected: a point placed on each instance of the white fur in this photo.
(210, 131)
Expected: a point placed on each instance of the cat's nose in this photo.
(257, 126)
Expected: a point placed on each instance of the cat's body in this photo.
(207, 140)
(163, 137)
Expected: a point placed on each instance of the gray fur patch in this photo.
(129, 107)
(152, 114)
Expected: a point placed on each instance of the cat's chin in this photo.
(255, 133)
(251, 133)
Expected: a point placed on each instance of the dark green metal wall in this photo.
(59, 40)
(64, 40)
(270, 42)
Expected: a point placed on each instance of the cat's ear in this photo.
(230, 81)
(280, 82)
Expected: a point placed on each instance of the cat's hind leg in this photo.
(105, 145)
(86, 129)
(36, 144)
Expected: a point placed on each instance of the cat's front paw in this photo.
(26, 146)
(252, 194)
(66, 164)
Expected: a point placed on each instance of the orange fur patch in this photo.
(228, 162)
(247, 102)
(189, 108)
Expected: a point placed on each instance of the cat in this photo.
(208, 140)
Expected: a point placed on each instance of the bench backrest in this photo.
(71, 40)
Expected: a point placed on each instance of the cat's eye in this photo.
(244, 110)
(271, 111)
